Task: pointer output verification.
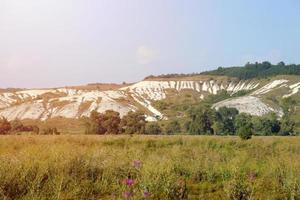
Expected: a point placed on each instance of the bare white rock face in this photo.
(146, 91)
(75, 103)
(156, 90)
(248, 104)
(253, 105)
(72, 100)
(271, 86)
(294, 89)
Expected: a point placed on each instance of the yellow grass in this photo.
(172, 167)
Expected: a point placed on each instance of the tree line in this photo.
(248, 71)
(110, 122)
(16, 127)
(257, 70)
(228, 121)
(199, 120)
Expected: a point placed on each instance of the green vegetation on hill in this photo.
(249, 71)
(200, 119)
(197, 119)
(256, 70)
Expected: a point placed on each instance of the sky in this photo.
(52, 43)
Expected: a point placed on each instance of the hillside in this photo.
(74, 103)
(256, 96)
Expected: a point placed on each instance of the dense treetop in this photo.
(257, 70)
(250, 70)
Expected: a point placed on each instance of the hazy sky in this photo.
(45, 43)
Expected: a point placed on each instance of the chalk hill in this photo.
(75, 102)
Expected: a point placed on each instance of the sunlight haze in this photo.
(49, 43)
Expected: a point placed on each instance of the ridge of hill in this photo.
(253, 96)
(249, 71)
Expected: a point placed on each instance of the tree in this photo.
(225, 118)
(244, 126)
(153, 129)
(50, 131)
(287, 126)
(266, 64)
(281, 64)
(173, 127)
(266, 125)
(133, 123)
(5, 126)
(186, 125)
(35, 129)
(103, 123)
(16, 125)
(202, 118)
(214, 98)
(242, 120)
(91, 127)
(257, 70)
(288, 106)
(111, 122)
(245, 132)
(94, 123)
(218, 128)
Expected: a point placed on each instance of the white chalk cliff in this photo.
(75, 103)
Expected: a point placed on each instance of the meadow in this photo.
(149, 167)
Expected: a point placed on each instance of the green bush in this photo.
(266, 125)
(173, 127)
(245, 132)
(5, 126)
(257, 70)
(287, 126)
(153, 129)
(201, 120)
(133, 123)
(50, 131)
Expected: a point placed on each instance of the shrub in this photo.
(225, 118)
(266, 125)
(287, 126)
(51, 131)
(202, 119)
(103, 123)
(161, 105)
(133, 123)
(245, 132)
(5, 126)
(153, 129)
(173, 127)
(244, 126)
(16, 125)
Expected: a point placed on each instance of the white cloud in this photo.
(145, 55)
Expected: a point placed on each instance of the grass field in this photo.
(149, 167)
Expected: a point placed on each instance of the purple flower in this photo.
(146, 194)
(126, 194)
(129, 182)
(113, 195)
(137, 163)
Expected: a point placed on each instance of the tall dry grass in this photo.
(149, 167)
